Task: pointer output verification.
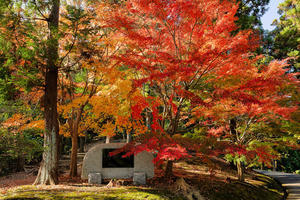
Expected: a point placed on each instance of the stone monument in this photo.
(98, 163)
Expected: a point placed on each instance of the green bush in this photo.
(18, 149)
(290, 161)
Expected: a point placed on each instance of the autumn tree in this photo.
(178, 50)
(38, 59)
(74, 95)
(283, 43)
(247, 118)
(91, 87)
(80, 54)
(21, 22)
(101, 105)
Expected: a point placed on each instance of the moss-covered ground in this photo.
(86, 193)
(264, 189)
(220, 184)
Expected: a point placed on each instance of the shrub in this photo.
(18, 149)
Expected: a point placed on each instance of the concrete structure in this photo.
(92, 163)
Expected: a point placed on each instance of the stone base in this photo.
(139, 178)
(95, 178)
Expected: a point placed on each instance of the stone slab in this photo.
(94, 178)
(139, 178)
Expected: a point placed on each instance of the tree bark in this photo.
(274, 165)
(61, 146)
(74, 125)
(232, 126)
(169, 169)
(73, 164)
(48, 170)
(128, 138)
(81, 144)
(240, 169)
(20, 164)
(107, 140)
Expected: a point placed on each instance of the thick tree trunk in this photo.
(48, 169)
(47, 174)
(169, 169)
(73, 164)
(240, 169)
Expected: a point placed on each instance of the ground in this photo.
(290, 181)
(219, 184)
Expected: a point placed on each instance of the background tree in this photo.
(287, 35)
(250, 12)
(283, 43)
(24, 20)
(87, 70)
(77, 49)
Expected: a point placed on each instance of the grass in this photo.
(88, 193)
(222, 185)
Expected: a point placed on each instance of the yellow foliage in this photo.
(16, 121)
(34, 124)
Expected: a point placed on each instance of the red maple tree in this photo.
(180, 51)
(247, 109)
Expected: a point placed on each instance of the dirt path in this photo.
(290, 181)
(16, 179)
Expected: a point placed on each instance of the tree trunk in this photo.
(148, 120)
(169, 169)
(81, 144)
(128, 138)
(74, 124)
(20, 164)
(73, 164)
(61, 145)
(47, 174)
(232, 126)
(274, 165)
(262, 166)
(240, 169)
(107, 139)
(48, 170)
